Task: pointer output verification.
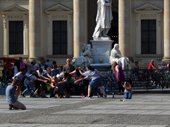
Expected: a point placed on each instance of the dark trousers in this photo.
(98, 91)
(37, 86)
(52, 92)
(22, 87)
(62, 87)
(83, 87)
(120, 86)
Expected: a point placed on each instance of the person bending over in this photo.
(94, 78)
(33, 77)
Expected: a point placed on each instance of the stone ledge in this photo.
(59, 56)
(148, 55)
(17, 56)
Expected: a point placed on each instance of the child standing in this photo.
(128, 89)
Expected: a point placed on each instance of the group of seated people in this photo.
(58, 80)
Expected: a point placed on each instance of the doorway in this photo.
(113, 33)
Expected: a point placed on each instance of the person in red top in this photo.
(151, 65)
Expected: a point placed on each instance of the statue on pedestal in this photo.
(103, 19)
(85, 58)
(119, 58)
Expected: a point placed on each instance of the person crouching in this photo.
(11, 96)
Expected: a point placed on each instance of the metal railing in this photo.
(141, 78)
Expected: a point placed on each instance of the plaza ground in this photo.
(144, 110)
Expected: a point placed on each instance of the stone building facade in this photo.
(56, 29)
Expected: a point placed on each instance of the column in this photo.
(79, 26)
(124, 26)
(34, 29)
(166, 30)
(6, 36)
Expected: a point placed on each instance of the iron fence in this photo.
(141, 78)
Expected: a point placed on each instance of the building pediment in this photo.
(14, 9)
(59, 9)
(148, 8)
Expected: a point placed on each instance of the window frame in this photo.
(16, 32)
(60, 43)
(59, 12)
(148, 41)
(10, 15)
(148, 11)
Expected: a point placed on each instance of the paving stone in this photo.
(158, 126)
(119, 125)
(137, 126)
(21, 125)
(77, 112)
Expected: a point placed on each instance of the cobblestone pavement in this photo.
(144, 110)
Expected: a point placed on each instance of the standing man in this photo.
(151, 65)
(36, 65)
(11, 96)
(49, 64)
(68, 67)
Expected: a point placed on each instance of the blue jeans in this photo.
(128, 95)
(62, 87)
(31, 88)
(97, 82)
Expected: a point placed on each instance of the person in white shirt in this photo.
(64, 85)
(60, 76)
(94, 78)
(20, 76)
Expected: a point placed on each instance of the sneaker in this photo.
(87, 97)
(122, 100)
(83, 96)
(10, 107)
(15, 108)
(105, 96)
(22, 96)
(44, 96)
(34, 96)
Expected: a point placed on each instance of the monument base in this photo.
(101, 54)
(101, 51)
(103, 67)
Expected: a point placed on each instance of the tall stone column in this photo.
(166, 30)
(124, 26)
(34, 29)
(79, 26)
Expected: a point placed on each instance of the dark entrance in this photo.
(16, 37)
(113, 33)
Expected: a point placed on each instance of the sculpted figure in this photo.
(119, 58)
(103, 18)
(86, 57)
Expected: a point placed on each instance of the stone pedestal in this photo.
(101, 52)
